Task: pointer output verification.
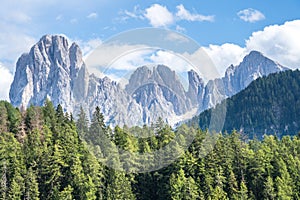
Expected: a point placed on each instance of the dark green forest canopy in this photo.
(269, 105)
(45, 154)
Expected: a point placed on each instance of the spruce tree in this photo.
(269, 190)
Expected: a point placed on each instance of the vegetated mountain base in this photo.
(269, 105)
(42, 156)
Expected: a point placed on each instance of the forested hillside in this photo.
(43, 156)
(269, 105)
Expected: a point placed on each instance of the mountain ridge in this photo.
(269, 105)
(55, 70)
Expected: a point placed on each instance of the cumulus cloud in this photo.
(280, 43)
(202, 64)
(159, 16)
(175, 61)
(184, 14)
(131, 60)
(250, 15)
(6, 79)
(225, 55)
(98, 59)
(92, 15)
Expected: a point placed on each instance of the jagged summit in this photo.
(237, 78)
(54, 69)
(51, 70)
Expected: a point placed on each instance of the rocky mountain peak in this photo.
(54, 69)
(237, 78)
(254, 65)
(196, 87)
(159, 74)
(50, 70)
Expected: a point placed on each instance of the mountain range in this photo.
(53, 69)
(269, 105)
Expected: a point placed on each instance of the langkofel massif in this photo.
(55, 70)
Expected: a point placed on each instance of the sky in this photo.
(226, 29)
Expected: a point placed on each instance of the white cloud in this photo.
(225, 55)
(174, 61)
(250, 15)
(131, 60)
(202, 64)
(115, 58)
(184, 14)
(129, 57)
(137, 13)
(159, 16)
(180, 29)
(279, 42)
(92, 15)
(6, 79)
(88, 46)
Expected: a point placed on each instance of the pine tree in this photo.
(177, 184)
(97, 131)
(119, 187)
(3, 118)
(49, 114)
(16, 187)
(84, 187)
(82, 123)
(3, 182)
(31, 186)
(284, 183)
(269, 190)
(243, 193)
(66, 193)
(218, 192)
(191, 189)
(232, 186)
(60, 114)
(53, 171)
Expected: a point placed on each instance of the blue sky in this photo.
(227, 29)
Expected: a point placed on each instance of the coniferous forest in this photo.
(269, 105)
(46, 154)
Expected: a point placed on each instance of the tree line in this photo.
(46, 154)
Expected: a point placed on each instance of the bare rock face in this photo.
(237, 78)
(50, 70)
(55, 70)
(196, 89)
